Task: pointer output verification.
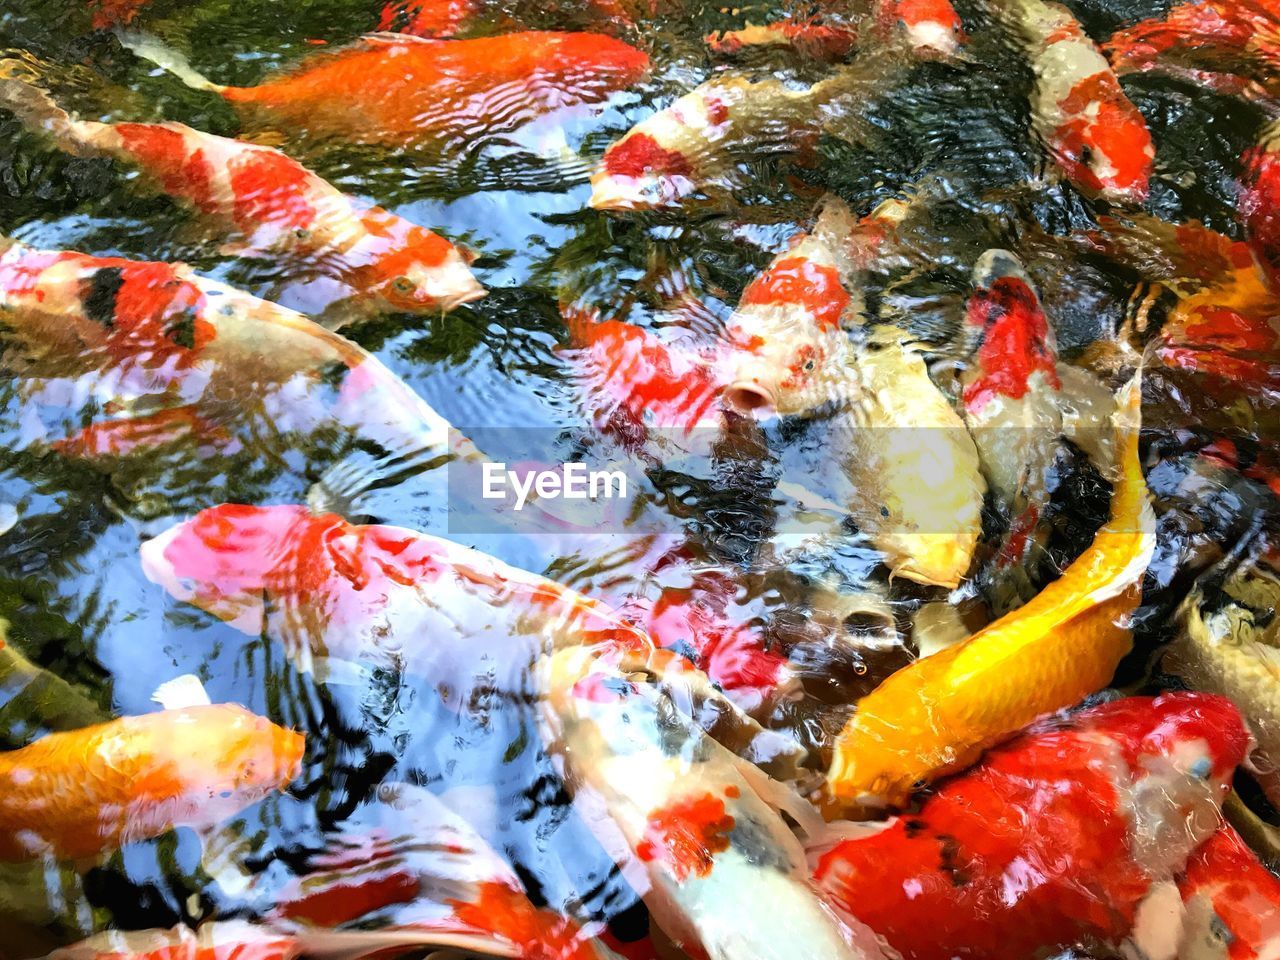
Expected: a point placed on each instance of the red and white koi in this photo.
(694, 145)
(1090, 128)
(1068, 836)
(396, 90)
(1259, 204)
(1231, 903)
(271, 205)
(156, 340)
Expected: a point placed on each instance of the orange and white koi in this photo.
(76, 794)
(115, 13)
(211, 941)
(144, 337)
(273, 206)
(1231, 903)
(426, 18)
(933, 27)
(938, 714)
(1068, 836)
(693, 146)
(1088, 126)
(396, 90)
(1232, 47)
(407, 872)
(697, 820)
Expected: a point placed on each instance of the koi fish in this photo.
(210, 941)
(938, 714)
(115, 13)
(1259, 196)
(407, 872)
(1066, 836)
(1090, 128)
(426, 18)
(76, 794)
(39, 696)
(820, 37)
(395, 90)
(933, 27)
(1016, 403)
(1193, 39)
(273, 205)
(1254, 459)
(638, 387)
(895, 432)
(1231, 903)
(694, 145)
(1230, 645)
(131, 336)
(694, 817)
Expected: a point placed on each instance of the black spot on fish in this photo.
(99, 297)
(949, 860)
(753, 840)
(183, 330)
(913, 828)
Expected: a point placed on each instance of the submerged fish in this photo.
(79, 793)
(820, 37)
(695, 144)
(938, 714)
(697, 819)
(143, 339)
(1231, 903)
(1090, 128)
(426, 18)
(1260, 198)
(1052, 841)
(1230, 645)
(39, 697)
(211, 941)
(407, 872)
(272, 206)
(396, 90)
(931, 28)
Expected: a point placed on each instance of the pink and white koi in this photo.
(271, 205)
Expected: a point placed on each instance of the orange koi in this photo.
(395, 90)
(120, 438)
(1090, 128)
(224, 940)
(79, 793)
(822, 38)
(426, 18)
(272, 205)
(1259, 204)
(1064, 837)
(938, 714)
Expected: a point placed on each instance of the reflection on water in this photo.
(847, 300)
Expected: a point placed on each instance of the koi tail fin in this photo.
(166, 58)
(580, 321)
(20, 95)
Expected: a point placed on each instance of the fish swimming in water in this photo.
(1054, 840)
(395, 90)
(893, 430)
(1090, 129)
(272, 206)
(938, 714)
(79, 793)
(1231, 903)
(932, 29)
(1230, 645)
(426, 18)
(1259, 196)
(820, 37)
(694, 145)
(157, 341)
(210, 941)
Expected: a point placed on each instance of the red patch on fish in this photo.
(1115, 131)
(119, 438)
(1243, 894)
(916, 12)
(687, 835)
(425, 18)
(1260, 205)
(347, 899)
(541, 933)
(163, 152)
(1015, 342)
(640, 154)
(796, 280)
(269, 187)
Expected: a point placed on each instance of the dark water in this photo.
(79, 606)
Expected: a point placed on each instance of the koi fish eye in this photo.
(402, 285)
(302, 233)
(809, 364)
(1086, 156)
(1201, 767)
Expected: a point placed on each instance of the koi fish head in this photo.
(786, 345)
(1104, 146)
(1012, 334)
(1260, 201)
(425, 273)
(638, 172)
(1181, 750)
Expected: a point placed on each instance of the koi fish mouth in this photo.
(749, 399)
